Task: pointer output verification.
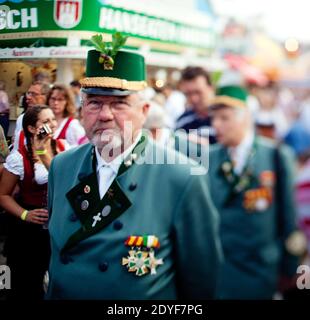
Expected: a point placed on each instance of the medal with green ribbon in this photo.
(141, 259)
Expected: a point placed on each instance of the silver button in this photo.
(84, 205)
(106, 211)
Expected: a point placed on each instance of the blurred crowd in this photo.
(279, 113)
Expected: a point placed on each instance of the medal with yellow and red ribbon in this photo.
(141, 259)
(257, 199)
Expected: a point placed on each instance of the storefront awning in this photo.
(25, 23)
(178, 61)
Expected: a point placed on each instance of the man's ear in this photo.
(145, 109)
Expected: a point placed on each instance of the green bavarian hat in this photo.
(231, 96)
(110, 71)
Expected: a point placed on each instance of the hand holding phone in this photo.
(44, 131)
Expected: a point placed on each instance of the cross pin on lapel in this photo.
(96, 219)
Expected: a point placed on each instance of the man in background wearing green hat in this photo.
(251, 183)
(123, 226)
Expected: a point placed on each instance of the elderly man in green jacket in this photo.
(123, 225)
(251, 183)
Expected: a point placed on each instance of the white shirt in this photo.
(14, 164)
(18, 129)
(107, 171)
(175, 106)
(75, 131)
(240, 154)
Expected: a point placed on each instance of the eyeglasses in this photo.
(93, 106)
(33, 94)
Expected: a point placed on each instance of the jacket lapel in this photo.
(235, 183)
(222, 183)
(95, 213)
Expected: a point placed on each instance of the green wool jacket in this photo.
(163, 200)
(253, 238)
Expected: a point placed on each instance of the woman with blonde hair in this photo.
(61, 101)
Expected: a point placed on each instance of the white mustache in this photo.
(107, 137)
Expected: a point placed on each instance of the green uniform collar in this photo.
(95, 213)
(238, 183)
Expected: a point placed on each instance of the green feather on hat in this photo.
(108, 50)
(112, 71)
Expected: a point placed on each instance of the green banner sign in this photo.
(56, 20)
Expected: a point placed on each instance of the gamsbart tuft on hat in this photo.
(230, 96)
(114, 72)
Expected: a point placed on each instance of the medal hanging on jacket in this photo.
(141, 259)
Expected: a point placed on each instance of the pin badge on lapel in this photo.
(227, 166)
(128, 163)
(96, 219)
(104, 213)
(84, 205)
(110, 193)
(141, 259)
(132, 158)
(87, 189)
(227, 169)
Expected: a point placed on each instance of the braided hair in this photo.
(30, 118)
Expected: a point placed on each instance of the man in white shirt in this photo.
(36, 94)
(174, 105)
